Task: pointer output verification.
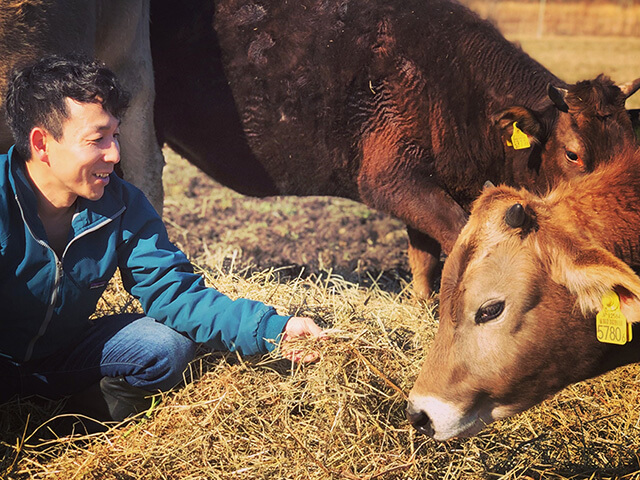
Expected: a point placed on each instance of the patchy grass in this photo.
(559, 17)
(296, 235)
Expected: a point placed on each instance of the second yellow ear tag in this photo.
(611, 324)
(519, 139)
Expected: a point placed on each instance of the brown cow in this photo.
(117, 33)
(519, 297)
(408, 106)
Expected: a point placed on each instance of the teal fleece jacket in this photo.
(46, 301)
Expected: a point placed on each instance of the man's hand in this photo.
(296, 329)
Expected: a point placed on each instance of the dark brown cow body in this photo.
(519, 296)
(117, 33)
(402, 105)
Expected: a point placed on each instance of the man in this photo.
(67, 222)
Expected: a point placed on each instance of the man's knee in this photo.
(169, 354)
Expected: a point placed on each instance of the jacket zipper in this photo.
(58, 276)
(52, 306)
(54, 294)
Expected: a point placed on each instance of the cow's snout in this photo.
(420, 421)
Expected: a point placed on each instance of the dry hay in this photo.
(342, 417)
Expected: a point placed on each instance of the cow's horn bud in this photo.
(488, 184)
(557, 96)
(515, 216)
(630, 88)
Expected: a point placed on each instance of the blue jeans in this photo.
(149, 355)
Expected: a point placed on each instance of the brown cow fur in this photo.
(579, 219)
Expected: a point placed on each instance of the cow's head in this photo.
(569, 134)
(518, 300)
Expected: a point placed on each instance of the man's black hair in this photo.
(36, 95)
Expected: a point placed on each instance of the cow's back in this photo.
(293, 89)
(195, 112)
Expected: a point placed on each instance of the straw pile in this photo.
(342, 417)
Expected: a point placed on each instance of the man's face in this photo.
(82, 159)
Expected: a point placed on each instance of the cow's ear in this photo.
(525, 119)
(595, 272)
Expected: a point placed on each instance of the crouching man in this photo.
(67, 222)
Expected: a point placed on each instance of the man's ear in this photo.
(526, 120)
(596, 271)
(38, 143)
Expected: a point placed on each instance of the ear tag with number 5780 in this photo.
(611, 324)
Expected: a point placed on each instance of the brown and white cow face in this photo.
(517, 309)
(576, 129)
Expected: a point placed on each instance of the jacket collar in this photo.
(89, 213)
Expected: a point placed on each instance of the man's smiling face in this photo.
(86, 153)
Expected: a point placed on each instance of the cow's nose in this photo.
(420, 421)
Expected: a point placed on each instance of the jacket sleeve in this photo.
(161, 277)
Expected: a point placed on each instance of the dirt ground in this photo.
(299, 236)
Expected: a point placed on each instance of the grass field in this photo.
(617, 18)
(578, 40)
(343, 417)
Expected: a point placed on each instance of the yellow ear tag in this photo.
(611, 324)
(519, 139)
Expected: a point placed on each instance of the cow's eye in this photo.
(489, 312)
(573, 157)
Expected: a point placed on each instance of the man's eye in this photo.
(489, 312)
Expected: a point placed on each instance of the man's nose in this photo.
(112, 155)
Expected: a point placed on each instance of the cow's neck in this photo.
(510, 75)
(603, 207)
